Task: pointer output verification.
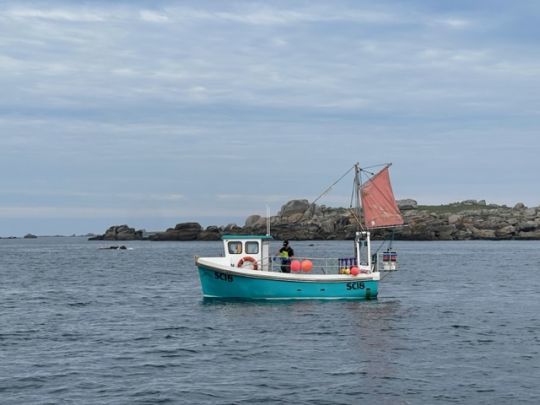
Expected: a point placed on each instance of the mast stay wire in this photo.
(331, 186)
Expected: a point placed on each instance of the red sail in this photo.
(378, 202)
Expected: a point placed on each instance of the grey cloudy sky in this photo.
(154, 113)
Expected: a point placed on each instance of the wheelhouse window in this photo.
(235, 248)
(252, 248)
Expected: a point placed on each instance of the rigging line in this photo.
(333, 184)
(379, 165)
(383, 244)
(325, 192)
(368, 172)
(357, 218)
(372, 174)
(392, 239)
(380, 247)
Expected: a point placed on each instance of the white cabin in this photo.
(248, 251)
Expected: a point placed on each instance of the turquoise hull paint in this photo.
(218, 284)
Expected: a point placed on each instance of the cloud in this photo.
(122, 213)
(456, 23)
(161, 106)
(256, 14)
(154, 17)
(241, 13)
(71, 15)
(131, 196)
(258, 198)
(87, 212)
(225, 68)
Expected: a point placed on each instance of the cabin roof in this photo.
(264, 237)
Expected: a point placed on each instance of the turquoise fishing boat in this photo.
(248, 270)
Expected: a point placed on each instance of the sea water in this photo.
(458, 323)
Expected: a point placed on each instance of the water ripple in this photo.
(82, 325)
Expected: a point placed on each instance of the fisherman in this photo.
(286, 253)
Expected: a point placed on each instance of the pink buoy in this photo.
(295, 265)
(307, 266)
(355, 271)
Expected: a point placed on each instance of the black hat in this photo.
(285, 242)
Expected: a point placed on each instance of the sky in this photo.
(155, 113)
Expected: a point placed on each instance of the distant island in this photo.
(27, 236)
(300, 220)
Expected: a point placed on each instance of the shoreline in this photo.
(299, 220)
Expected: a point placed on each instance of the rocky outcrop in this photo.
(294, 209)
(407, 204)
(210, 233)
(119, 232)
(300, 220)
(184, 231)
(471, 220)
(30, 236)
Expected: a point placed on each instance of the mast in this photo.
(361, 234)
(358, 191)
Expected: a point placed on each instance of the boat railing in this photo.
(313, 265)
(387, 261)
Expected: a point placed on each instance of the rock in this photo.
(210, 233)
(454, 219)
(519, 206)
(294, 218)
(329, 226)
(464, 234)
(446, 232)
(506, 232)
(181, 232)
(512, 221)
(232, 229)
(189, 228)
(407, 204)
(532, 235)
(294, 207)
(120, 232)
(530, 213)
(527, 226)
(309, 213)
(483, 233)
(30, 236)
(252, 220)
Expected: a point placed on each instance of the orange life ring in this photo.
(247, 259)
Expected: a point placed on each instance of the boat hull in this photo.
(219, 283)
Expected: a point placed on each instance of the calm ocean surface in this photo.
(459, 323)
